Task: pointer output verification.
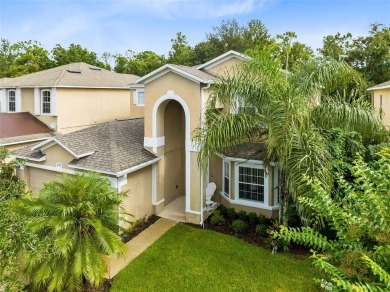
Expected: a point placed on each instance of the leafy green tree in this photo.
(75, 53)
(23, 58)
(78, 216)
(370, 55)
(231, 36)
(358, 258)
(138, 63)
(181, 53)
(288, 113)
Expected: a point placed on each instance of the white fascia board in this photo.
(43, 158)
(242, 159)
(24, 141)
(50, 142)
(169, 68)
(135, 85)
(222, 58)
(122, 172)
(378, 88)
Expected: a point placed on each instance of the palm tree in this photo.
(287, 111)
(78, 217)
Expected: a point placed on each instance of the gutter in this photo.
(122, 172)
(201, 170)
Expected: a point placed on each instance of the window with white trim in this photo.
(226, 178)
(251, 180)
(139, 97)
(11, 100)
(241, 107)
(46, 101)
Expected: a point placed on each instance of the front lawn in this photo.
(187, 258)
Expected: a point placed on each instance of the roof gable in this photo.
(222, 58)
(190, 73)
(383, 85)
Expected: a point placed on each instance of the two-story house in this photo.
(72, 97)
(155, 158)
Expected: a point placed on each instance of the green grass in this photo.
(190, 259)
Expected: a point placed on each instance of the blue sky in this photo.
(118, 25)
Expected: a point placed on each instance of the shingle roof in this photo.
(71, 75)
(24, 139)
(206, 77)
(116, 146)
(21, 124)
(380, 86)
(248, 150)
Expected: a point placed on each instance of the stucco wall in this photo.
(385, 104)
(139, 194)
(79, 108)
(27, 100)
(225, 67)
(136, 111)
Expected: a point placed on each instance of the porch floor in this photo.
(175, 210)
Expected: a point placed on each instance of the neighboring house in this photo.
(113, 149)
(21, 129)
(161, 168)
(71, 97)
(380, 99)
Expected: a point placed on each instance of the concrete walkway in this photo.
(137, 245)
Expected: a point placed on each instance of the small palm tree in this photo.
(287, 111)
(78, 216)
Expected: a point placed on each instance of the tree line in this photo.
(369, 55)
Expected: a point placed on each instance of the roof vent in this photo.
(96, 69)
(74, 71)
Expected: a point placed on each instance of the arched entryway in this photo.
(171, 121)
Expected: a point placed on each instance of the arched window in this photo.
(46, 101)
(11, 100)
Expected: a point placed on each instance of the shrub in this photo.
(261, 229)
(252, 218)
(239, 226)
(276, 242)
(221, 208)
(242, 215)
(217, 218)
(231, 213)
(264, 220)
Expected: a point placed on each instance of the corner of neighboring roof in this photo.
(231, 53)
(384, 85)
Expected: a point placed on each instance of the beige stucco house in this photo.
(380, 99)
(72, 97)
(156, 157)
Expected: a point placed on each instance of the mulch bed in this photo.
(140, 227)
(250, 236)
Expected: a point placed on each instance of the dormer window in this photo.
(11, 100)
(46, 101)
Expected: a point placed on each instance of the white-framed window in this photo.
(241, 107)
(251, 183)
(46, 101)
(226, 178)
(11, 100)
(139, 97)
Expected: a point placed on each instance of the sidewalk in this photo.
(137, 245)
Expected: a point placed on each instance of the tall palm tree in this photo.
(287, 111)
(78, 216)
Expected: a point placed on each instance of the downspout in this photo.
(201, 170)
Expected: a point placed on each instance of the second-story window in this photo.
(11, 101)
(46, 101)
(141, 97)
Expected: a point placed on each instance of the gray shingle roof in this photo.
(23, 139)
(116, 146)
(248, 150)
(206, 77)
(380, 86)
(71, 75)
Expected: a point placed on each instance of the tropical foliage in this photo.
(358, 257)
(14, 236)
(78, 216)
(289, 112)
